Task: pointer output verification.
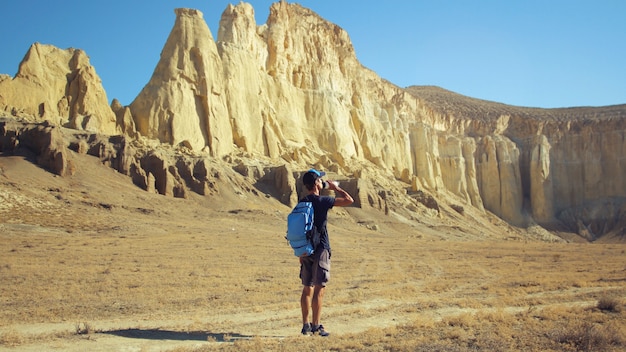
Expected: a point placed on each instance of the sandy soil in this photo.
(91, 262)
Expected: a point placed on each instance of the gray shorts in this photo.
(315, 269)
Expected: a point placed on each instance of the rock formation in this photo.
(534, 164)
(59, 86)
(184, 102)
(292, 93)
(43, 142)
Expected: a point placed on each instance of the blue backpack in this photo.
(301, 233)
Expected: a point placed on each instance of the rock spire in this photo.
(59, 86)
(184, 101)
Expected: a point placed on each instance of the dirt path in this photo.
(133, 271)
(145, 334)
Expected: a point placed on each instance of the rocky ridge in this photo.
(269, 101)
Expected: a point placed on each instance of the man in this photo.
(315, 269)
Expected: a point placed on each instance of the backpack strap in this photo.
(316, 231)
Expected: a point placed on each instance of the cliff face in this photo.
(184, 102)
(59, 86)
(291, 87)
(293, 91)
(550, 166)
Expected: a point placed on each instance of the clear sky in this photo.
(534, 53)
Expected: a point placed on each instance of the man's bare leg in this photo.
(318, 297)
(305, 303)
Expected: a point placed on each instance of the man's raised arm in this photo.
(342, 198)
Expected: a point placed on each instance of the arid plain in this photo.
(92, 262)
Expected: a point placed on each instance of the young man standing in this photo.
(315, 269)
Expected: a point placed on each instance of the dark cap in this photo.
(311, 176)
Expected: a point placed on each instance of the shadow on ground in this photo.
(156, 334)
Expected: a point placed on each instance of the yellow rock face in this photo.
(293, 91)
(59, 86)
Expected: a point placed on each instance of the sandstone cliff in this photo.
(184, 102)
(275, 98)
(293, 88)
(59, 86)
(541, 165)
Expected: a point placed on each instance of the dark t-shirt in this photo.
(321, 205)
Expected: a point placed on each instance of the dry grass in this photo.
(443, 296)
(195, 275)
(610, 304)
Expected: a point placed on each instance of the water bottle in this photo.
(325, 184)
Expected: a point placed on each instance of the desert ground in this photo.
(91, 262)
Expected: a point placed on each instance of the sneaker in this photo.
(306, 329)
(319, 330)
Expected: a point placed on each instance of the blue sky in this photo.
(535, 53)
